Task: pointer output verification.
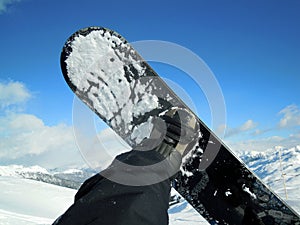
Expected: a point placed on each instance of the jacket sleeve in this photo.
(101, 201)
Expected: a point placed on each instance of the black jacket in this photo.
(100, 201)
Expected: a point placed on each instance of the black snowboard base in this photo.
(109, 76)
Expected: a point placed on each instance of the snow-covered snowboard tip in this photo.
(110, 77)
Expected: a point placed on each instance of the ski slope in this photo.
(30, 202)
(24, 201)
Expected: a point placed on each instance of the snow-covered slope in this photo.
(279, 168)
(24, 201)
(30, 202)
(27, 201)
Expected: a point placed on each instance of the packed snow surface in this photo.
(24, 201)
(29, 202)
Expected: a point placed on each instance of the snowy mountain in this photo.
(279, 168)
(70, 178)
(24, 199)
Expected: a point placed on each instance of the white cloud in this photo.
(25, 136)
(297, 136)
(288, 127)
(26, 139)
(264, 144)
(290, 116)
(5, 3)
(247, 126)
(99, 150)
(12, 93)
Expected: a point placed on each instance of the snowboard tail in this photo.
(109, 76)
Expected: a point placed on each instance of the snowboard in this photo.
(114, 81)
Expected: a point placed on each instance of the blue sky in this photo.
(252, 47)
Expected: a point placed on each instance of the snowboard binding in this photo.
(175, 130)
